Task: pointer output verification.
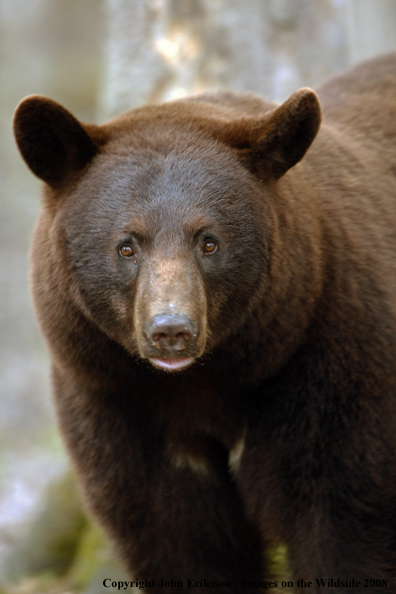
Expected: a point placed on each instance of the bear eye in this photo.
(126, 251)
(210, 247)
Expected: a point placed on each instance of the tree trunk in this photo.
(163, 49)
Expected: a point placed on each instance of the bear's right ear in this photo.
(51, 140)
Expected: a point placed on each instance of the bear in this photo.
(215, 278)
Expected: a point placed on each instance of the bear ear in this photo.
(271, 144)
(51, 140)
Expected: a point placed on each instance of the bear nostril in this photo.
(183, 336)
(160, 337)
(174, 331)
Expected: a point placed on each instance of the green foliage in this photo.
(277, 559)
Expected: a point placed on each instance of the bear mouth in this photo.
(171, 364)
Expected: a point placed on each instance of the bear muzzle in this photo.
(171, 332)
(172, 336)
(170, 313)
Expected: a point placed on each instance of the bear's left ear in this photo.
(51, 140)
(271, 144)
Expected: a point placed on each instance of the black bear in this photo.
(216, 281)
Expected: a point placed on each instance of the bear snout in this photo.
(170, 313)
(171, 333)
(172, 340)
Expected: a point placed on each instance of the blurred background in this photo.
(97, 58)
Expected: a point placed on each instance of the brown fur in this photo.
(282, 428)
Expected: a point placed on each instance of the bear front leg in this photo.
(192, 532)
(349, 548)
(332, 498)
(174, 519)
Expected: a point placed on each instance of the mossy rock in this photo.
(94, 562)
(50, 544)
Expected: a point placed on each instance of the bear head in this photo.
(162, 219)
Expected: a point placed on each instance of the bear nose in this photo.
(174, 331)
